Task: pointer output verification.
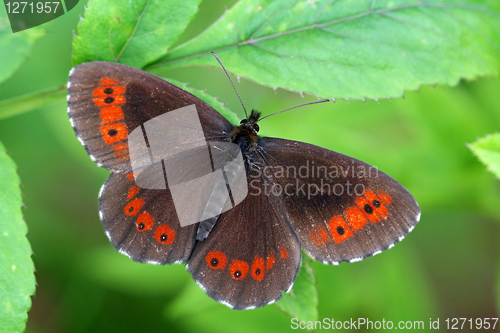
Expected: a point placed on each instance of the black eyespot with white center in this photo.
(237, 274)
(141, 226)
(109, 100)
(163, 238)
(108, 91)
(214, 262)
(376, 203)
(368, 209)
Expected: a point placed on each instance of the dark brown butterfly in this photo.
(300, 196)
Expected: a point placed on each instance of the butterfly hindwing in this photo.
(107, 101)
(142, 223)
(342, 209)
(250, 256)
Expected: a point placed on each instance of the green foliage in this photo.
(17, 279)
(346, 49)
(487, 150)
(354, 50)
(14, 48)
(134, 34)
(302, 301)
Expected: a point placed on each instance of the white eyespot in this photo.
(289, 288)
(92, 157)
(401, 238)
(411, 228)
(271, 302)
(178, 262)
(356, 259)
(67, 98)
(250, 307)
(101, 216)
(69, 83)
(418, 216)
(107, 232)
(71, 71)
(376, 252)
(153, 262)
(391, 246)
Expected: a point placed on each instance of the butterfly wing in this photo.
(107, 101)
(341, 209)
(250, 256)
(142, 223)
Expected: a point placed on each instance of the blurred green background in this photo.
(447, 267)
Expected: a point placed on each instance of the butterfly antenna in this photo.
(294, 107)
(220, 62)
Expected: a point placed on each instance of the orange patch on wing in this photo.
(216, 259)
(132, 192)
(319, 236)
(270, 260)
(385, 197)
(382, 209)
(114, 132)
(107, 82)
(164, 234)
(109, 100)
(369, 210)
(238, 269)
(144, 222)
(134, 206)
(324, 234)
(355, 218)
(111, 114)
(258, 269)
(283, 252)
(339, 229)
(106, 90)
(121, 151)
(130, 176)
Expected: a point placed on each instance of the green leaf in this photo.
(14, 47)
(487, 150)
(17, 279)
(17, 105)
(134, 33)
(210, 100)
(302, 301)
(349, 49)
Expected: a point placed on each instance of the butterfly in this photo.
(298, 196)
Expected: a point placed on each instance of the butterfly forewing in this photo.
(342, 209)
(107, 101)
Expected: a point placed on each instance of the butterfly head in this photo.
(245, 135)
(250, 124)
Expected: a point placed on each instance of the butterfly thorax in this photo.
(245, 135)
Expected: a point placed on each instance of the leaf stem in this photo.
(21, 104)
